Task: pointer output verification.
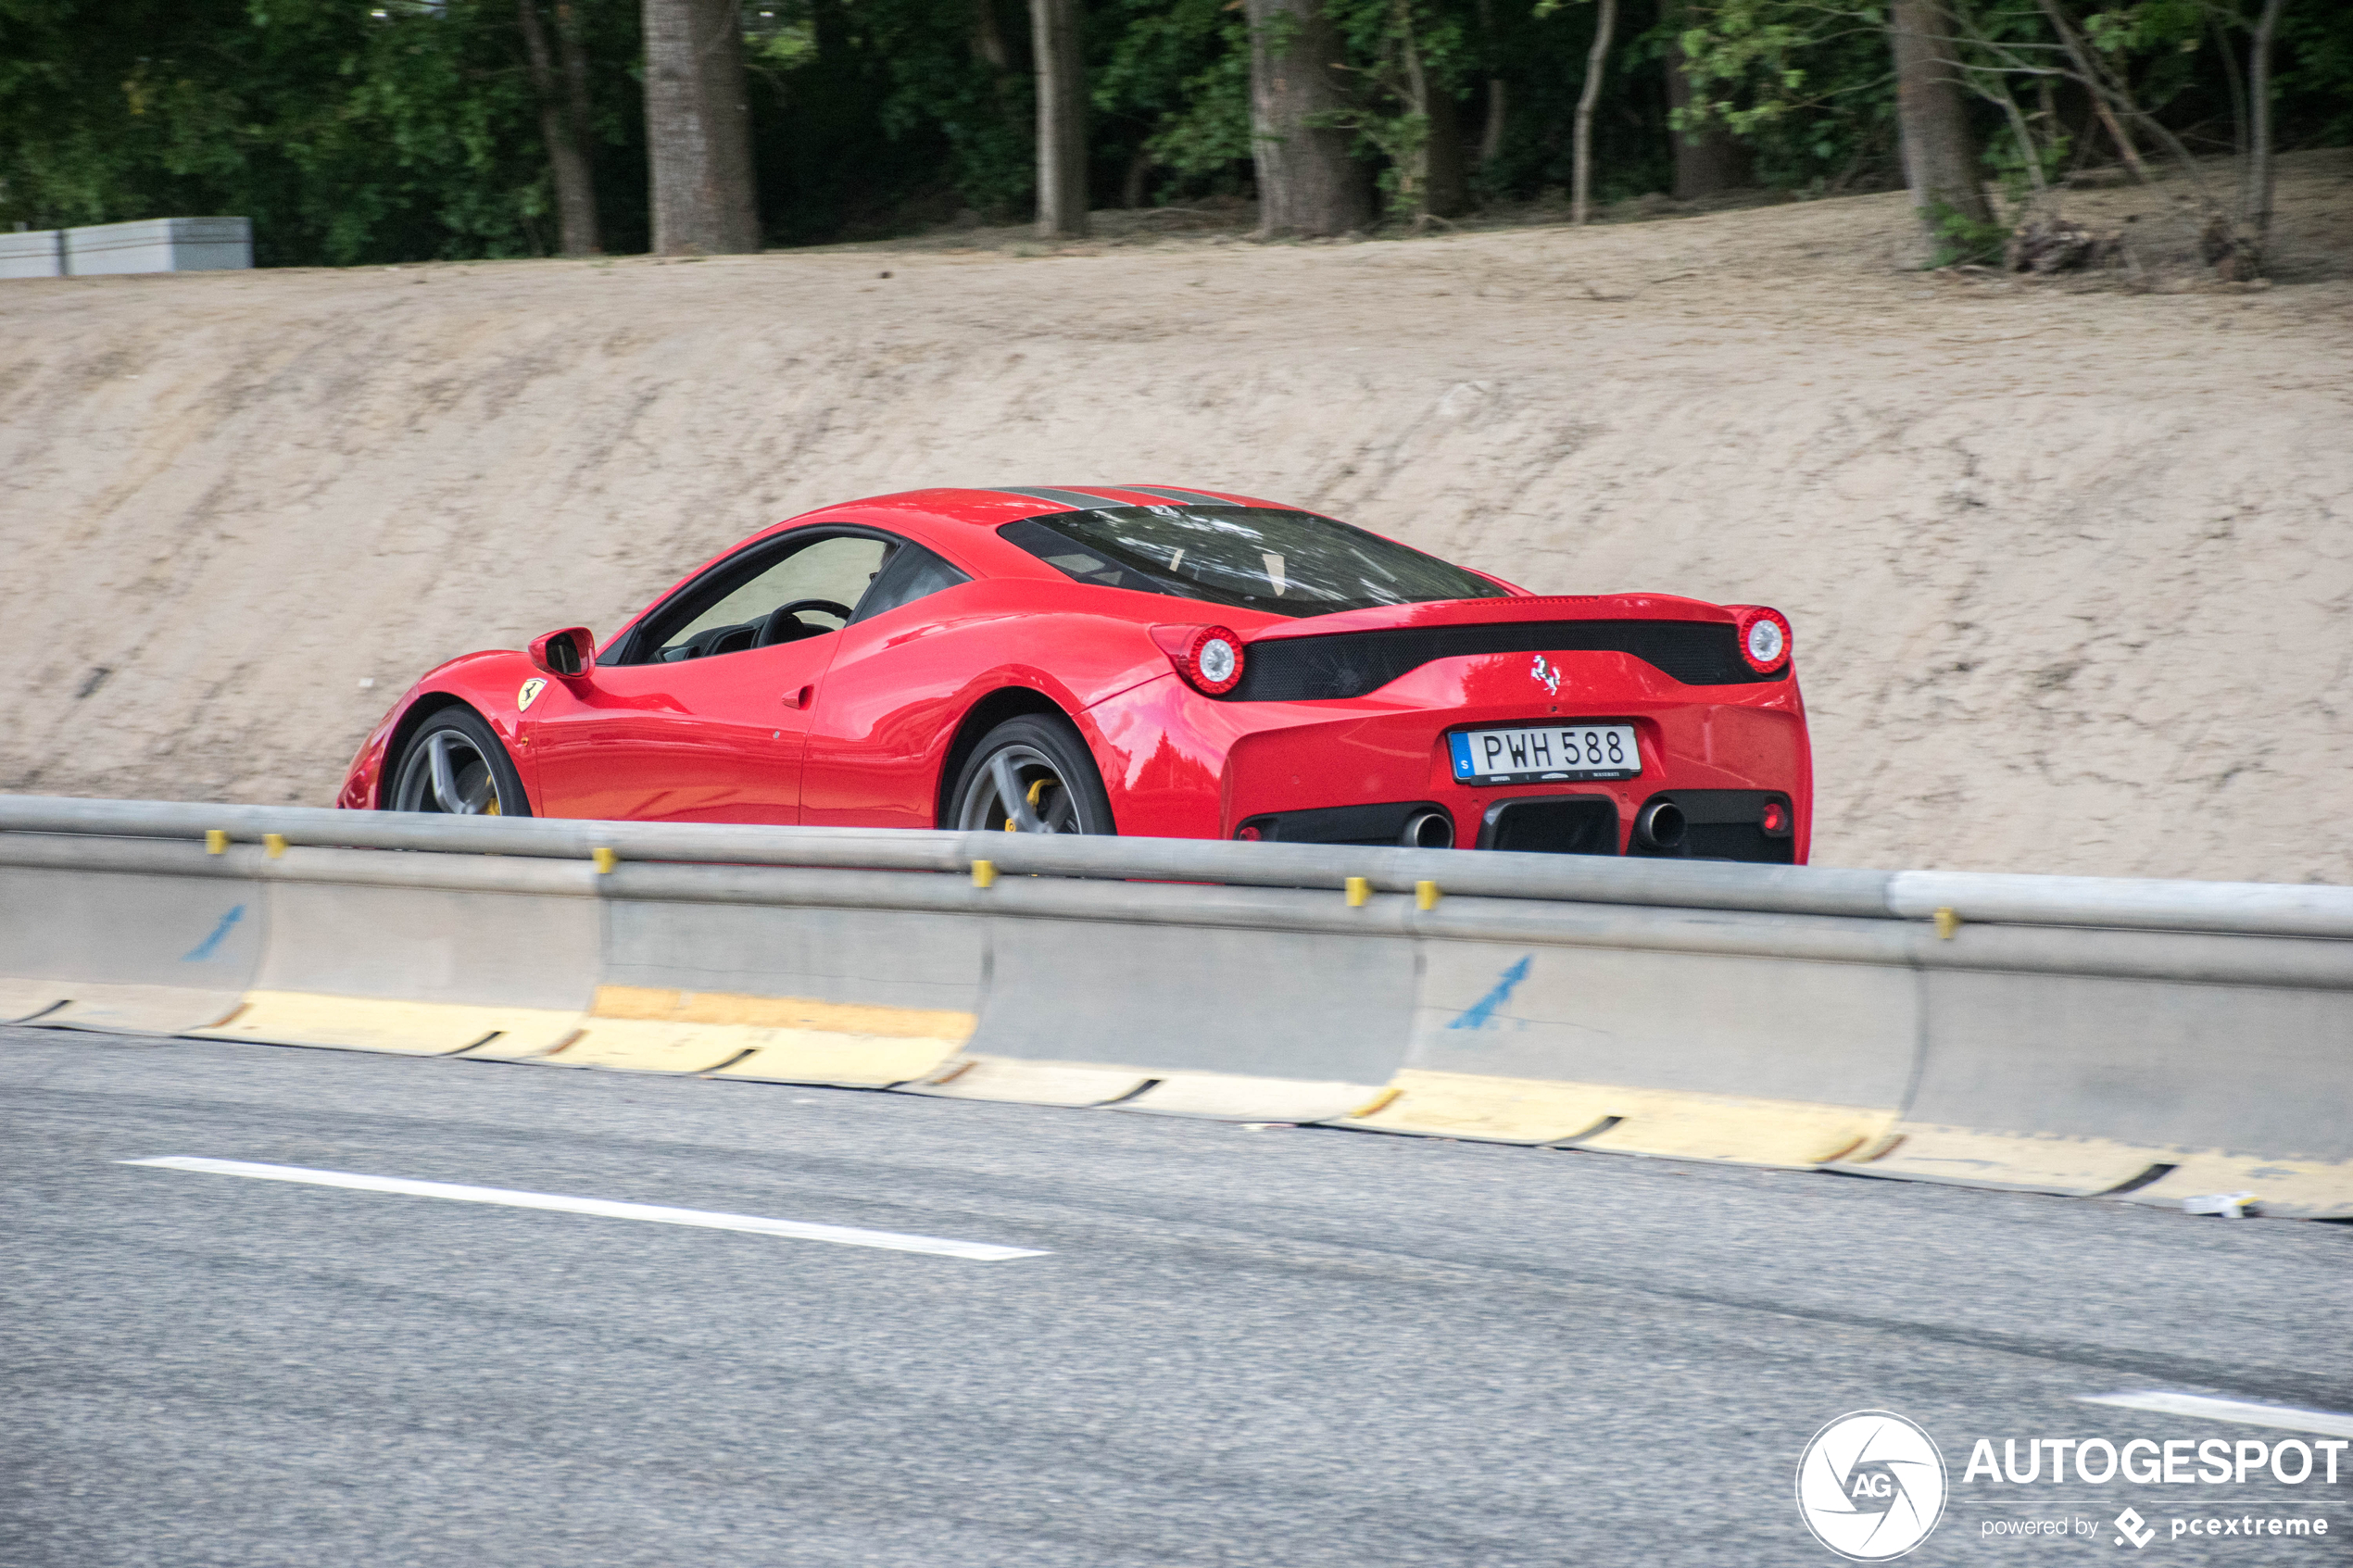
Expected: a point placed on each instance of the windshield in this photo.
(1253, 558)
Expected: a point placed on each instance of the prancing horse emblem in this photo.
(1546, 675)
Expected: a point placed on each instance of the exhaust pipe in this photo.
(1427, 830)
(1659, 827)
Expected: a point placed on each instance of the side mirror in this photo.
(568, 653)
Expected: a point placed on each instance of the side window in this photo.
(822, 582)
(912, 573)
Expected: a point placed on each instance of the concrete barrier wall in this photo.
(2150, 1041)
(147, 245)
(37, 253)
(159, 244)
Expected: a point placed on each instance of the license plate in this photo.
(1552, 753)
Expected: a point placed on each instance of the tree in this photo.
(2255, 192)
(1941, 160)
(1708, 159)
(1307, 181)
(698, 128)
(1594, 61)
(565, 123)
(1499, 92)
(1057, 42)
(1442, 180)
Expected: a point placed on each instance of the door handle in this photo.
(797, 698)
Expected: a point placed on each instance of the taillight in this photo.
(1764, 637)
(1210, 657)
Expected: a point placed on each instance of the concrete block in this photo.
(159, 244)
(38, 253)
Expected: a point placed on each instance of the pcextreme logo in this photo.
(1871, 1486)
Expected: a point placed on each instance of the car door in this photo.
(888, 702)
(702, 713)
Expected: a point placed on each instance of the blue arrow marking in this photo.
(1480, 1013)
(206, 949)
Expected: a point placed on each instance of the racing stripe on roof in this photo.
(1190, 497)
(1078, 499)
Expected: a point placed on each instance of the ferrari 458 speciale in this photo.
(1129, 659)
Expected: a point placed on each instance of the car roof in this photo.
(964, 520)
(995, 506)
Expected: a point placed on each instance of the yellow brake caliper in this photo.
(1037, 787)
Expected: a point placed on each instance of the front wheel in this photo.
(1031, 774)
(455, 764)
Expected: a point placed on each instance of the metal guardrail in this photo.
(2149, 1039)
(2220, 907)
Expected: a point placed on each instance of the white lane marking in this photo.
(2329, 1424)
(798, 1230)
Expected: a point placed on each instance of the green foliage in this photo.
(1962, 238)
(350, 132)
(369, 130)
(1408, 58)
(1541, 59)
(2315, 80)
(940, 88)
(1810, 86)
(1175, 83)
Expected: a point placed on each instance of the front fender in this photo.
(490, 683)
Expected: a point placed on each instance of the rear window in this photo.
(1253, 558)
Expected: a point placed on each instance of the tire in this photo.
(1051, 771)
(478, 779)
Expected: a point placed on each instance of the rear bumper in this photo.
(1357, 769)
(1714, 824)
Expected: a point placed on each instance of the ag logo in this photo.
(529, 693)
(1547, 675)
(1871, 1485)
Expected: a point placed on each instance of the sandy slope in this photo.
(2071, 572)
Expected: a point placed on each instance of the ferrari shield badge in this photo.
(529, 693)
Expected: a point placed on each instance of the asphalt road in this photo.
(1278, 1347)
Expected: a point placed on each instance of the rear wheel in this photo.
(455, 764)
(1031, 774)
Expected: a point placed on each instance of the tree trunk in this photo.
(2116, 133)
(997, 63)
(2028, 150)
(1441, 184)
(2257, 215)
(1582, 170)
(2241, 141)
(563, 127)
(1445, 177)
(699, 129)
(1708, 161)
(989, 38)
(1055, 37)
(1939, 155)
(1490, 136)
(572, 51)
(1307, 184)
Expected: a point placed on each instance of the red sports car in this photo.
(1131, 659)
